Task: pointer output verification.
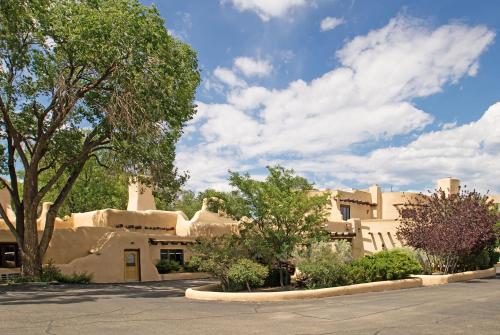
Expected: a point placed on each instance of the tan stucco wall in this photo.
(113, 217)
(391, 201)
(205, 223)
(106, 263)
(379, 235)
(69, 244)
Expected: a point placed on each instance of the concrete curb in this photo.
(206, 292)
(431, 280)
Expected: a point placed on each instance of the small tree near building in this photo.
(216, 255)
(247, 273)
(283, 214)
(450, 230)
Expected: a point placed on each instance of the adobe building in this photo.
(124, 245)
(118, 245)
(369, 218)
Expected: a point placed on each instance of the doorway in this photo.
(132, 265)
(9, 255)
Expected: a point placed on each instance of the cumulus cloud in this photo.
(228, 77)
(330, 23)
(314, 126)
(469, 151)
(253, 67)
(267, 9)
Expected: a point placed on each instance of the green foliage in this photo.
(231, 203)
(82, 278)
(284, 213)
(51, 273)
(323, 266)
(247, 273)
(79, 78)
(384, 265)
(216, 256)
(97, 187)
(192, 265)
(343, 250)
(24, 279)
(167, 265)
(187, 201)
(482, 260)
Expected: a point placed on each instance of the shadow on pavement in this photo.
(70, 294)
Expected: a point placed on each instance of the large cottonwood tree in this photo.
(78, 78)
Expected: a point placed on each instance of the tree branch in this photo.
(9, 224)
(52, 213)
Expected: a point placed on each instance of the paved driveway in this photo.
(461, 308)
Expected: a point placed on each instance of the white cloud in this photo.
(253, 67)
(249, 98)
(469, 151)
(267, 9)
(314, 125)
(228, 77)
(330, 23)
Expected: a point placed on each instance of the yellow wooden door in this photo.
(132, 265)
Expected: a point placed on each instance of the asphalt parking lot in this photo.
(160, 308)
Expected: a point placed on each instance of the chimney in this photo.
(140, 197)
(449, 185)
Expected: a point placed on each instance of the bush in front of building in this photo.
(384, 265)
(322, 265)
(246, 273)
(192, 265)
(51, 273)
(82, 278)
(167, 265)
(454, 232)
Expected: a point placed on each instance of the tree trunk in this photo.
(31, 262)
(31, 266)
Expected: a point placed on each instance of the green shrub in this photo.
(247, 273)
(193, 265)
(76, 278)
(484, 259)
(323, 273)
(324, 266)
(167, 265)
(343, 250)
(50, 273)
(384, 265)
(24, 279)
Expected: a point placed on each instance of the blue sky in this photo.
(347, 93)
